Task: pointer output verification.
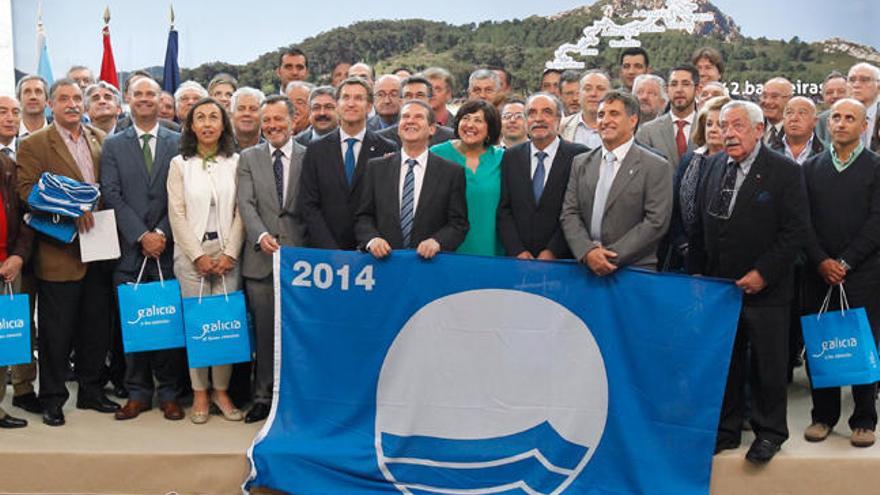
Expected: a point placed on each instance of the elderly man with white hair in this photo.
(103, 105)
(774, 96)
(187, 94)
(483, 84)
(751, 223)
(650, 90)
(244, 114)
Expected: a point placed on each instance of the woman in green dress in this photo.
(477, 127)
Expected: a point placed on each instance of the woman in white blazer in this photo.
(207, 229)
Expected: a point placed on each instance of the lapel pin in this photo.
(372, 148)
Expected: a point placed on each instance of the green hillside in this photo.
(522, 46)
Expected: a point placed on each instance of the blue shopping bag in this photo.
(15, 329)
(150, 314)
(216, 329)
(839, 345)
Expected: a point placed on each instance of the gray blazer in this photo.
(637, 212)
(140, 201)
(659, 134)
(259, 208)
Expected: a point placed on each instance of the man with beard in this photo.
(650, 90)
(534, 176)
(670, 133)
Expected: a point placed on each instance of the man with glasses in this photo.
(513, 124)
(862, 82)
(417, 88)
(752, 222)
(774, 98)
(386, 95)
(322, 115)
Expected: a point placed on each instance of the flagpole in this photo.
(171, 70)
(7, 49)
(108, 64)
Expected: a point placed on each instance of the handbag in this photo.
(150, 314)
(15, 329)
(53, 225)
(217, 330)
(839, 345)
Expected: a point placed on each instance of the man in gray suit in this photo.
(670, 133)
(134, 169)
(268, 181)
(619, 198)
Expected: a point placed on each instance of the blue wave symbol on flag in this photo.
(537, 460)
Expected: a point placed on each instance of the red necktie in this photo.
(680, 140)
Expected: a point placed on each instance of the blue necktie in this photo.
(349, 159)
(406, 202)
(278, 168)
(538, 178)
(603, 187)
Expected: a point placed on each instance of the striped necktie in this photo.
(406, 202)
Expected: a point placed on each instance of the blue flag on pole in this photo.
(171, 72)
(468, 374)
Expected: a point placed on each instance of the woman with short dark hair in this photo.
(477, 127)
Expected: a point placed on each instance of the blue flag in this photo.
(468, 374)
(171, 72)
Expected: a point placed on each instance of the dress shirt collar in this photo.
(840, 165)
(804, 154)
(422, 159)
(140, 132)
(551, 150)
(23, 130)
(286, 149)
(359, 136)
(689, 118)
(746, 164)
(68, 136)
(620, 152)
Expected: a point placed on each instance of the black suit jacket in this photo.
(326, 202)
(817, 146)
(522, 224)
(766, 230)
(441, 135)
(441, 212)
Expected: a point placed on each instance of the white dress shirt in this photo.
(152, 132)
(687, 127)
(551, 150)
(286, 151)
(357, 146)
(418, 177)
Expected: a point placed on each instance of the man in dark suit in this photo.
(751, 224)
(799, 140)
(322, 115)
(333, 169)
(268, 182)
(843, 188)
(417, 88)
(134, 169)
(412, 199)
(534, 176)
(74, 308)
(618, 202)
(863, 83)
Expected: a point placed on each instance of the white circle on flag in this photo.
(488, 371)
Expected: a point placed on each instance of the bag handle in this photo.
(141, 273)
(202, 287)
(9, 292)
(844, 302)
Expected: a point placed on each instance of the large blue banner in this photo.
(475, 375)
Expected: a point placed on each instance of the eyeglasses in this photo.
(390, 94)
(512, 116)
(861, 79)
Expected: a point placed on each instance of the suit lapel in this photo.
(293, 175)
(391, 188)
(750, 185)
(163, 149)
(629, 168)
(334, 141)
(57, 144)
(95, 148)
(137, 153)
(557, 172)
(368, 146)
